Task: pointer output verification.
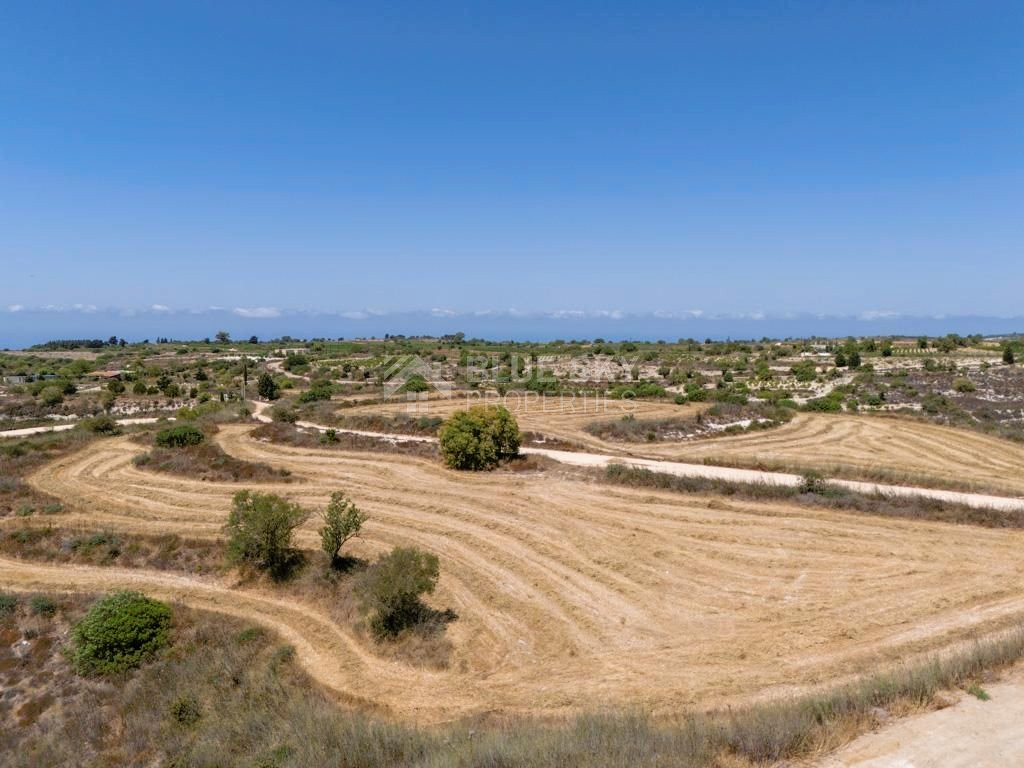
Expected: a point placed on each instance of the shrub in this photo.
(118, 633)
(391, 589)
(139, 388)
(479, 438)
(342, 521)
(267, 387)
(41, 605)
(283, 414)
(260, 530)
(51, 396)
(7, 605)
(964, 385)
(185, 710)
(318, 390)
(101, 425)
(1008, 356)
(179, 436)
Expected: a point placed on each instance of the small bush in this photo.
(185, 710)
(964, 385)
(7, 605)
(179, 437)
(479, 438)
(391, 589)
(118, 633)
(41, 605)
(101, 425)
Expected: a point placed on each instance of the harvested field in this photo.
(877, 447)
(572, 595)
(563, 418)
(874, 447)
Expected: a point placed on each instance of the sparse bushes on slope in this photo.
(391, 589)
(260, 530)
(480, 438)
(179, 436)
(119, 633)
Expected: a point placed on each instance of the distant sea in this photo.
(27, 327)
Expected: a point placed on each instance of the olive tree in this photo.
(392, 587)
(342, 521)
(259, 531)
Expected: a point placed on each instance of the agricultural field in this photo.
(551, 590)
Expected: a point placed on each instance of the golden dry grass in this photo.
(871, 446)
(570, 595)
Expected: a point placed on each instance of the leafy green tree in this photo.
(267, 387)
(259, 531)
(119, 632)
(1008, 357)
(479, 438)
(840, 359)
(342, 521)
(392, 587)
(853, 359)
(223, 337)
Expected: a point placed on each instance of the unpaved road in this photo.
(571, 595)
(27, 431)
(710, 471)
(971, 734)
(926, 454)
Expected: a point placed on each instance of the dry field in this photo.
(925, 454)
(559, 417)
(572, 595)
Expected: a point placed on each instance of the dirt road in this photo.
(572, 595)
(711, 471)
(971, 734)
(27, 431)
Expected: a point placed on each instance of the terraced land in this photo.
(570, 595)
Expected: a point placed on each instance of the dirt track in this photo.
(895, 445)
(971, 734)
(573, 595)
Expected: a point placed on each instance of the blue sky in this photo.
(721, 157)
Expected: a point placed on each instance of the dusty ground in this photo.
(971, 734)
(923, 453)
(570, 595)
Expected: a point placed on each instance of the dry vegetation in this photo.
(228, 693)
(572, 595)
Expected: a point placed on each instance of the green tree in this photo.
(479, 438)
(267, 387)
(342, 521)
(392, 587)
(259, 531)
(119, 632)
(853, 359)
(840, 359)
(1008, 357)
(223, 337)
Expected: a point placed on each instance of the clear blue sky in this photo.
(835, 157)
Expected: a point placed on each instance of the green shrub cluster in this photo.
(119, 632)
(179, 437)
(259, 530)
(480, 438)
(391, 589)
